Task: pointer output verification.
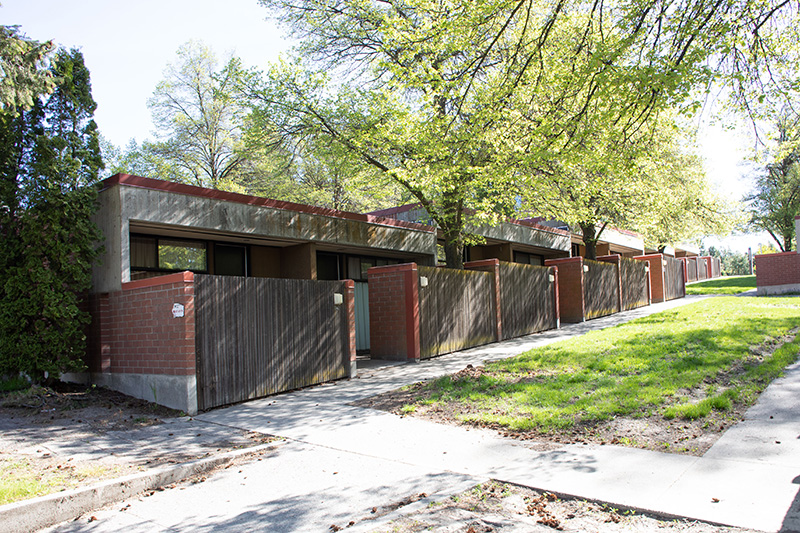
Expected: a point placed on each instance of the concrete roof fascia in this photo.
(129, 180)
(519, 222)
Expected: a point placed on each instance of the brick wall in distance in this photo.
(777, 270)
(656, 262)
(570, 288)
(133, 331)
(394, 312)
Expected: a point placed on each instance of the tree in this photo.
(776, 199)
(198, 119)
(22, 72)
(682, 205)
(50, 160)
(466, 104)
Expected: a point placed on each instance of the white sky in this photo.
(126, 46)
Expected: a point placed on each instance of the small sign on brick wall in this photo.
(177, 310)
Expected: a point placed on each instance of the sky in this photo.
(127, 45)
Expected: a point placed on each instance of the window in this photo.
(144, 252)
(528, 259)
(327, 266)
(182, 255)
(230, 260)
(149, 253)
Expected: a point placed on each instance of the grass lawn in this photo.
(20, 478)
(682, 363)
(724, 285)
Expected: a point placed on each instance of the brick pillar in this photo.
(557, 309)
(615, 259)
(492, 266)
(394, 312)
(656, 263)
(350, 302)
(572, 306)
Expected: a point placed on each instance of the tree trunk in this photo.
(454, 250)
(589, 233)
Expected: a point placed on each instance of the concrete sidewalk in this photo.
(341, 462)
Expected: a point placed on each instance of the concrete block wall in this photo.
(777, 273)
(394, 312)
(137, 345)
(571, 303)
(656, 263)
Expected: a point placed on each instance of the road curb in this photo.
(51, 509)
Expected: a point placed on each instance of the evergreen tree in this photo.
(49, 158)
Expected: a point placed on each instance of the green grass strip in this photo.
(724, 285)
(685, 362)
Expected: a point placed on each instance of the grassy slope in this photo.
(647, 366)
(724, 285)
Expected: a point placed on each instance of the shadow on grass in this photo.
(636, 369)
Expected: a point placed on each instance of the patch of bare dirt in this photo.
(70, 435)
(494, 506)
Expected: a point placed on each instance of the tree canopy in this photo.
(23, 72)
(470, 106)
(775, 200)
(49, 157)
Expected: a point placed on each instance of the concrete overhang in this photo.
(146, 202)
(133, 203)
(619, 241)
(524, 234)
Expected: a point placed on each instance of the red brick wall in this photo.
(777, 269)
(492, 266)
(394, 312)
(133, 330)
(656, 263)
(570, 288)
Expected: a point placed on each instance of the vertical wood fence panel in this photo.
(674, 283)
(702, 268)
(716, 267)
(691, 269)
(455, 310)
(635, 287)
(601, 289)
(527, 299)
(256, 336)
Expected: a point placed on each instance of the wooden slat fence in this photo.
(716, 267)
(691, 269)
(674, 282)
(702, 268)
(456, 310)
(635, 285)
(601, 289)
(256, 336)
(527, 299)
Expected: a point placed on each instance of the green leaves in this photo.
(776, 199)
(474, 107)
(51, 159)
